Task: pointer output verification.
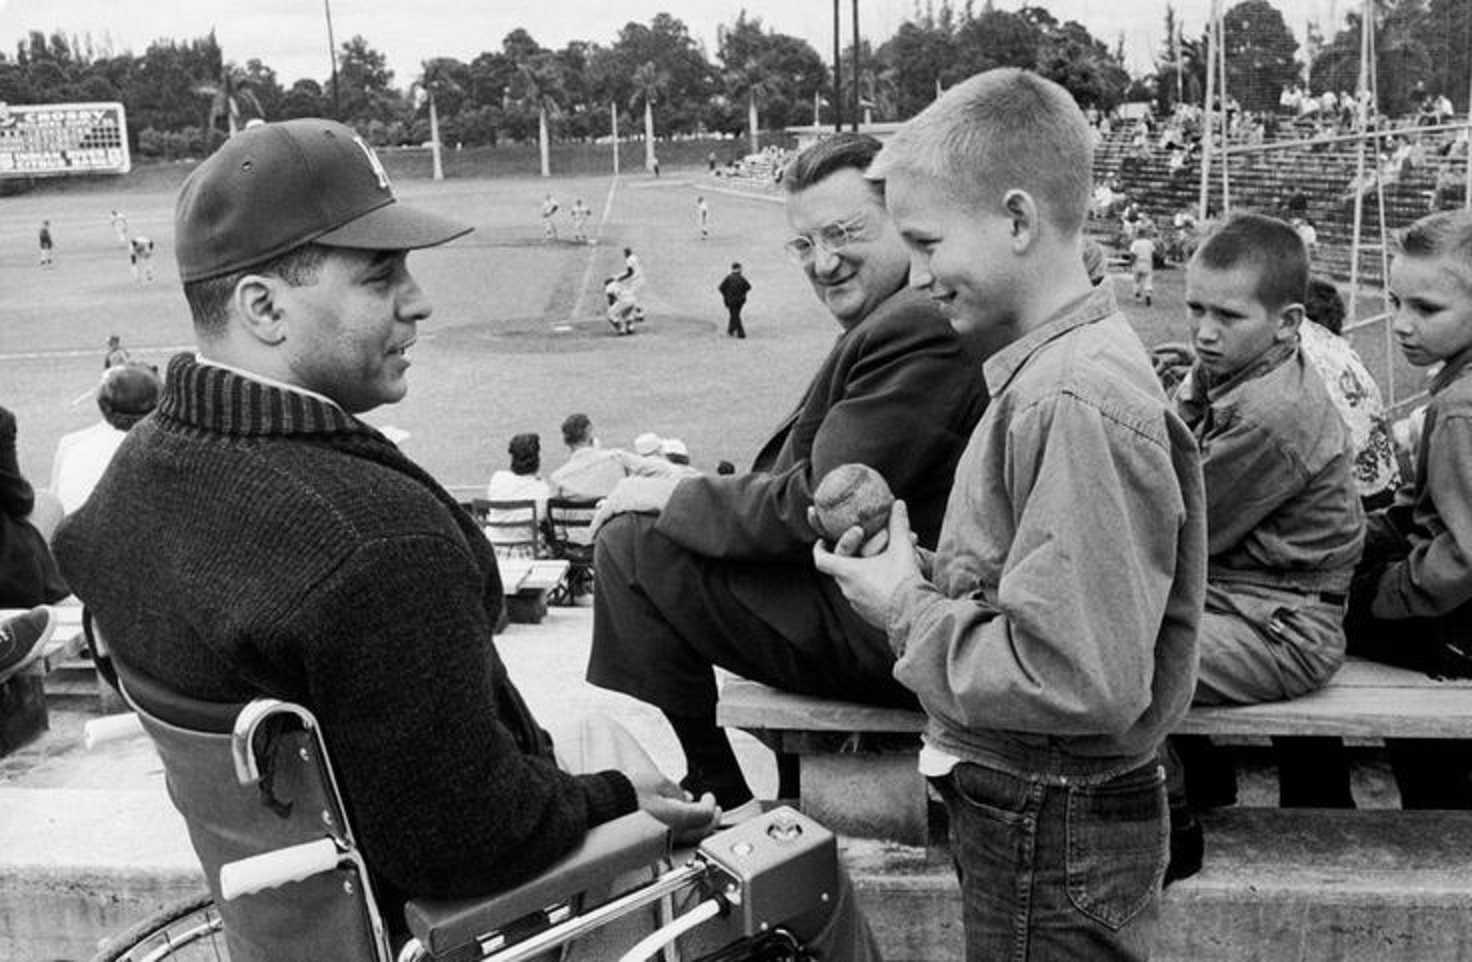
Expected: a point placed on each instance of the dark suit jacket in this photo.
(899, 391)
(28, 575)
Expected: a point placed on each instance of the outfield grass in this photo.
(517, 340)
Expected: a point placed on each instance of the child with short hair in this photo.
(1283, 517)
(1411, 601)
(1051, 638)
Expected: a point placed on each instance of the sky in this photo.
(290, 36)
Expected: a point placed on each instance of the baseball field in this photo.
(517, 340)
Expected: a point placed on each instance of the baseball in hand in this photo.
(852, 494)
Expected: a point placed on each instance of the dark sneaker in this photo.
(22, 638)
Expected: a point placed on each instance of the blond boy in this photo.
(1051, 636)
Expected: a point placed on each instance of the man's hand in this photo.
(638, 495)
(867, 575)
(1450, 661)
(689, 820)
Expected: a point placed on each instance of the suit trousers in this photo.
(663, 616)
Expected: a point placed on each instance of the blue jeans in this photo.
(1055, 872)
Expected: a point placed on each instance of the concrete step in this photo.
(1278, 886)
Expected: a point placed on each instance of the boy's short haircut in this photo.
(1269, 245)
(1000, 130)
(819, 161)
(1445, 233)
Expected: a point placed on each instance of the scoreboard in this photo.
(57, 140)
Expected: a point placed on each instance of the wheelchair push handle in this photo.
(272, 869)
(110, 728)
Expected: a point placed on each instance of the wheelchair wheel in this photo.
(189, 930)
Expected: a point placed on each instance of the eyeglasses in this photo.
(831, 237)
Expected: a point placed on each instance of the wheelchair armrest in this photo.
(634, 841)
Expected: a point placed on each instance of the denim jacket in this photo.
(1282, 509)
(1057, 634)
(1433, 514)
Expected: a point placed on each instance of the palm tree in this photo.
(541, 84)
(231, 96)
(435, 78)
(650, 83)
(756, 82)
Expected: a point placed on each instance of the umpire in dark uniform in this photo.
(717, 570)
(734, 288)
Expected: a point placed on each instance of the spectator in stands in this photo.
(1411, 603)
(116, 353)
(1142, 265)
(1308, 233)
(28, 574)
(1354, 392)
(1301, 761)
(523, 482)
(1051, 638)
(591, 470)
(717, 570)
(126, 395)
(1449, 189)
(1283, 517)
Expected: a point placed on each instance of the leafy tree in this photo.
(439, 82)
(1260, 52)
(162, 92)
(918, 57)
(1448, 37)
(232, 97)
(304, 99)
(1073, 58)
(689, 78)
(538, 86)
(1180, 68)
(1406, 48)
(266, 89)
(364, 91)
(650, 83)
(767, 69)
(998, 38)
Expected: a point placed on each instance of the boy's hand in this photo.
(868, 574)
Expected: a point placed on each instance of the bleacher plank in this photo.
(1364, 700)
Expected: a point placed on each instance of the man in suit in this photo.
(717, 570)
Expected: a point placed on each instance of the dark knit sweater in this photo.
(248, 540)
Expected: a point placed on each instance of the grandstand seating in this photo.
(1322, 172)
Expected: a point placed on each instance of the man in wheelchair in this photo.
(255, 538)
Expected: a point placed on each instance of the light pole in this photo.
(332, 55)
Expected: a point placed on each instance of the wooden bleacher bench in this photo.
(1300, 884)
(859, 768)
(527, 582)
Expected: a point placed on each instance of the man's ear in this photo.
(256, 304)
(1290, 318)
(1022, 210)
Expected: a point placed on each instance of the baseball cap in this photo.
(274, 187)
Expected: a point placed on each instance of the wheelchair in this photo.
(287, 879)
